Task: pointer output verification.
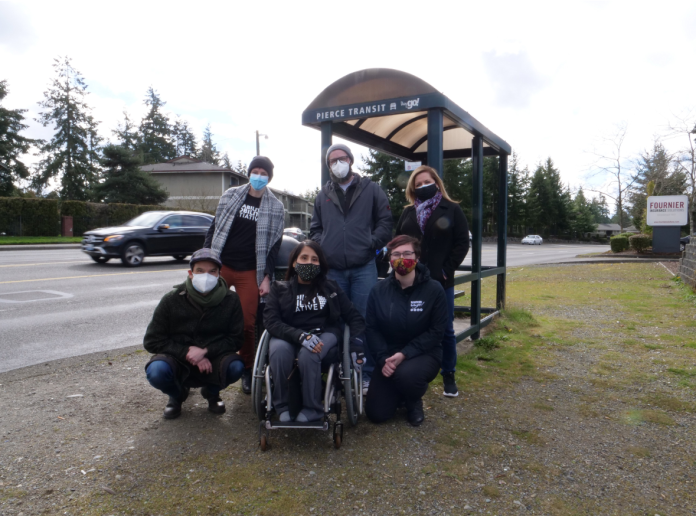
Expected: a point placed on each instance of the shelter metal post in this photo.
(435, 159)
(502, 229)
(476, 230)
(326, 142)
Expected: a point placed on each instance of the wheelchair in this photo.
(341, 382)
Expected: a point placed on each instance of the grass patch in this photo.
(636, 417)
(27, 240)
(529, 436)
(638, 451)
(491, 491)
(543, 406)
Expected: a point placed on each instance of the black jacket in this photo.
(280, 310)
(446, 241)
(411, 320)
(351, 239)
(178, 323)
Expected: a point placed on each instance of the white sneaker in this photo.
(365, 386)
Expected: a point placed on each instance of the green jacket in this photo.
(178, 323)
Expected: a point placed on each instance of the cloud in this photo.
(16, 32)
(514, 78)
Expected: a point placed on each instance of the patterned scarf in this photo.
(269, 226)
(425, 208)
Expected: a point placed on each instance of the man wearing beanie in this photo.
(195, 332)
(246, 236)
(352, 221)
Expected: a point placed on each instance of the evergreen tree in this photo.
(311, 194)
(518, 183)
(12, 146)
(582, 218)
(94, 141)
(240, 168)
(67, 155)
(390, 174)
(125, 182)
(226, 161)
(155, 132)
(209, 152)
(548, 202)
(126, 134)
(184, 139)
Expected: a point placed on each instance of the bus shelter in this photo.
(401, 115)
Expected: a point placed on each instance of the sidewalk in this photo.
(38, 247)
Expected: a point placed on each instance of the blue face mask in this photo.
(258, 182)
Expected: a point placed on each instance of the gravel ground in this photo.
(598, 427)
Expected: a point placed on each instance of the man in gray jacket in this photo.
(352, 221)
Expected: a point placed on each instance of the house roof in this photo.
(187, 164)
(608, 227)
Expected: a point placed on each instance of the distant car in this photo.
(532, 240)
(153, 233)
(295, 233)
(683, 241)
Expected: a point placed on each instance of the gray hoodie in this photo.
(351, 239)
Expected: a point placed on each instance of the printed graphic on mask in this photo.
(403, 266)
(312, 304)
(417, 306)
(249, 212)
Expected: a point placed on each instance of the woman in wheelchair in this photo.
(406, 318)
(303, 316)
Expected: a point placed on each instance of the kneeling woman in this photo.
(406, 318)
(302, 316)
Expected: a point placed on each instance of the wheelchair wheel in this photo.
(258, 384)
(348, 389)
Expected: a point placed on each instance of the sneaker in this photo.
(246, 381)
(365, 385)
(285, 417)
(450, 385)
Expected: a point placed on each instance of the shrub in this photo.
(640, 242)
(91, 215)
(618, 244)
(28, 217)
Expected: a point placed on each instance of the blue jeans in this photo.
(449, 342)
(161, 376)
(357, 284)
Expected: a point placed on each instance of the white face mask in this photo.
(204, 283)
(340, 169)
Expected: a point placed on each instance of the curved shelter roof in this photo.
(388, 110)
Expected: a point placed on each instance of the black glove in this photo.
(357, 353)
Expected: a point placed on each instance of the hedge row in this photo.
(29, 217)
(41, 217)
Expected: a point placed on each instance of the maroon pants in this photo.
(244, 283)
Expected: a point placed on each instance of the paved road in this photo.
(58, 303)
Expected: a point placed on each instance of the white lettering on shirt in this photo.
(249, 212)
(313, 304)
(417, 306)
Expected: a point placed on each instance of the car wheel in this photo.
(180, 257)
(100, 259)
(133, 254)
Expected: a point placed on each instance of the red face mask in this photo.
(403, 266)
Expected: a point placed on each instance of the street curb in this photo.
(616, 260)
(38, 247)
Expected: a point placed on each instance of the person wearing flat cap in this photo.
(195, 334)
(246, 236)
(351, 222)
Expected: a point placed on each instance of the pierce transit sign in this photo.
(668, 210)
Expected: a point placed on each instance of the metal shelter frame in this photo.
(403, 116)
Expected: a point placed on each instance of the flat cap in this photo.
(205, 255)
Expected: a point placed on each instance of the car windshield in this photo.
(146, 220)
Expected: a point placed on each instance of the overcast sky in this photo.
(548, 77)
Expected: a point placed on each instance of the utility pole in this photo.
(258, 148)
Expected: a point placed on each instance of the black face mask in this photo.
(307, 271)
(426, 192)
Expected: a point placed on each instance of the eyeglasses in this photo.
(342, 159)
(408, 255)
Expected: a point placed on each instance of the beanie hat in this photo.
(339, 146)
(264, 163)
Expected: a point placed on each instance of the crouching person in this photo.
(406, 319)
(195, 334)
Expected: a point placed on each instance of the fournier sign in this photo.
(668, 210)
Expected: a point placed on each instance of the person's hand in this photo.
(195, 355)
(204, 366)
(393, 362)
(388, 369)
(357, 353)
(265, 287)
(311, 342)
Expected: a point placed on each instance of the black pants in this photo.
(408, 383)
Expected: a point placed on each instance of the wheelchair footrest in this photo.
(315, 425)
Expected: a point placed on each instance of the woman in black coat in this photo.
(303, 316)
(439, 223)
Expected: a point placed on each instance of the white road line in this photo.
(149, 285)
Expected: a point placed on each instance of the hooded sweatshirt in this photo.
(410, 320)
